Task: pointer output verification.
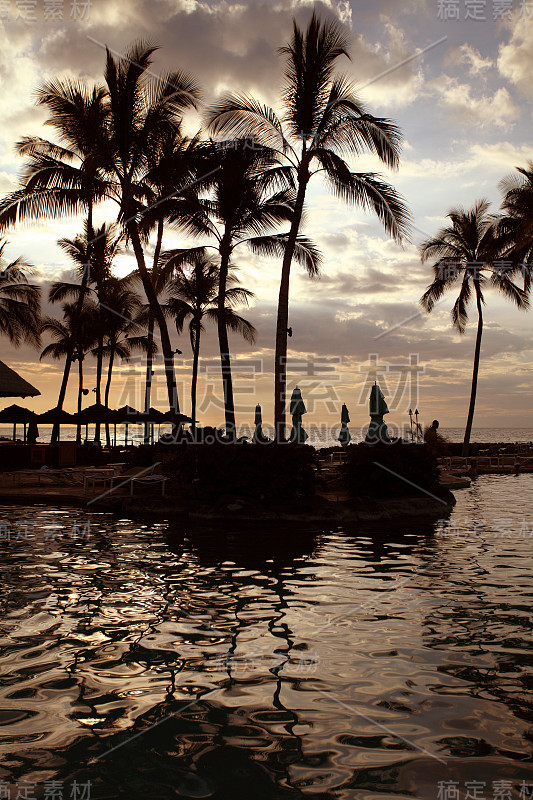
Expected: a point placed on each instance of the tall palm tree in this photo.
(174, 167)
(106, 158)
(244, 206)
(73, 338)
(193, 295)
(516, 226)
(66, 177)
(323, 120)
(142, 113)
(92, 252)
(121, 334)
(20, 301)
(466, 251)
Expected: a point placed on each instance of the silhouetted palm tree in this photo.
(516, 227)
(174, 169)
(20, 301)
(122, 336)
(142, 114)
(193, 295)
(323, 120)
(73, 338)
(108, 156)
(466, 251)
(244, 206)
(64, 178)
(92, 253)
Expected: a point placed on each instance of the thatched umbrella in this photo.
(57, 416)
(127, 415)
(95, 414)
(153, 416)
(16, 415)
(12, 385)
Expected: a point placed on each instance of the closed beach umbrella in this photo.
(33, 432)
(344, 435)
(258, 421)
(377, 430)
(298, 409)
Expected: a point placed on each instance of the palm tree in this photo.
(119, 306)
(65, 178)
(174, 166)
(516, 225)
(323, 120)
(20, 301)
(244, 206)
(73, 338)
(94, 253)
(193, 295)
(142, 114)
(466, 251)
(109, 138)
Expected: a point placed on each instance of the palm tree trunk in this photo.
(108, 382)
(77, 316)
(106, 396)
(149, 357)
(80, 394)
(280, 358)
(168, 353)
(148, 385)
(225, 361)
(99, 369)
(473, 391)
(196, 355)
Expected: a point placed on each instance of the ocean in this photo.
(319, 436)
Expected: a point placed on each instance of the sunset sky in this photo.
(460, 89)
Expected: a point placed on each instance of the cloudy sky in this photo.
(456, 77)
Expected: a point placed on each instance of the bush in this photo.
(390, 470)
(267, 472)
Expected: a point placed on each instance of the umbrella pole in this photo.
(115, 434)
(126, 436)
(14, 431)
(24, 433)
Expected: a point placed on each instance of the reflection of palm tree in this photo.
(20, 302)
(466, 250)
(245, 207)
(194, 295)
(323, 120)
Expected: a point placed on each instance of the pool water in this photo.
(162, 660)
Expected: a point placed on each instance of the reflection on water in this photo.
(160, 661)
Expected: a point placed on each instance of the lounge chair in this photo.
(151, 480)
(133, 474)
